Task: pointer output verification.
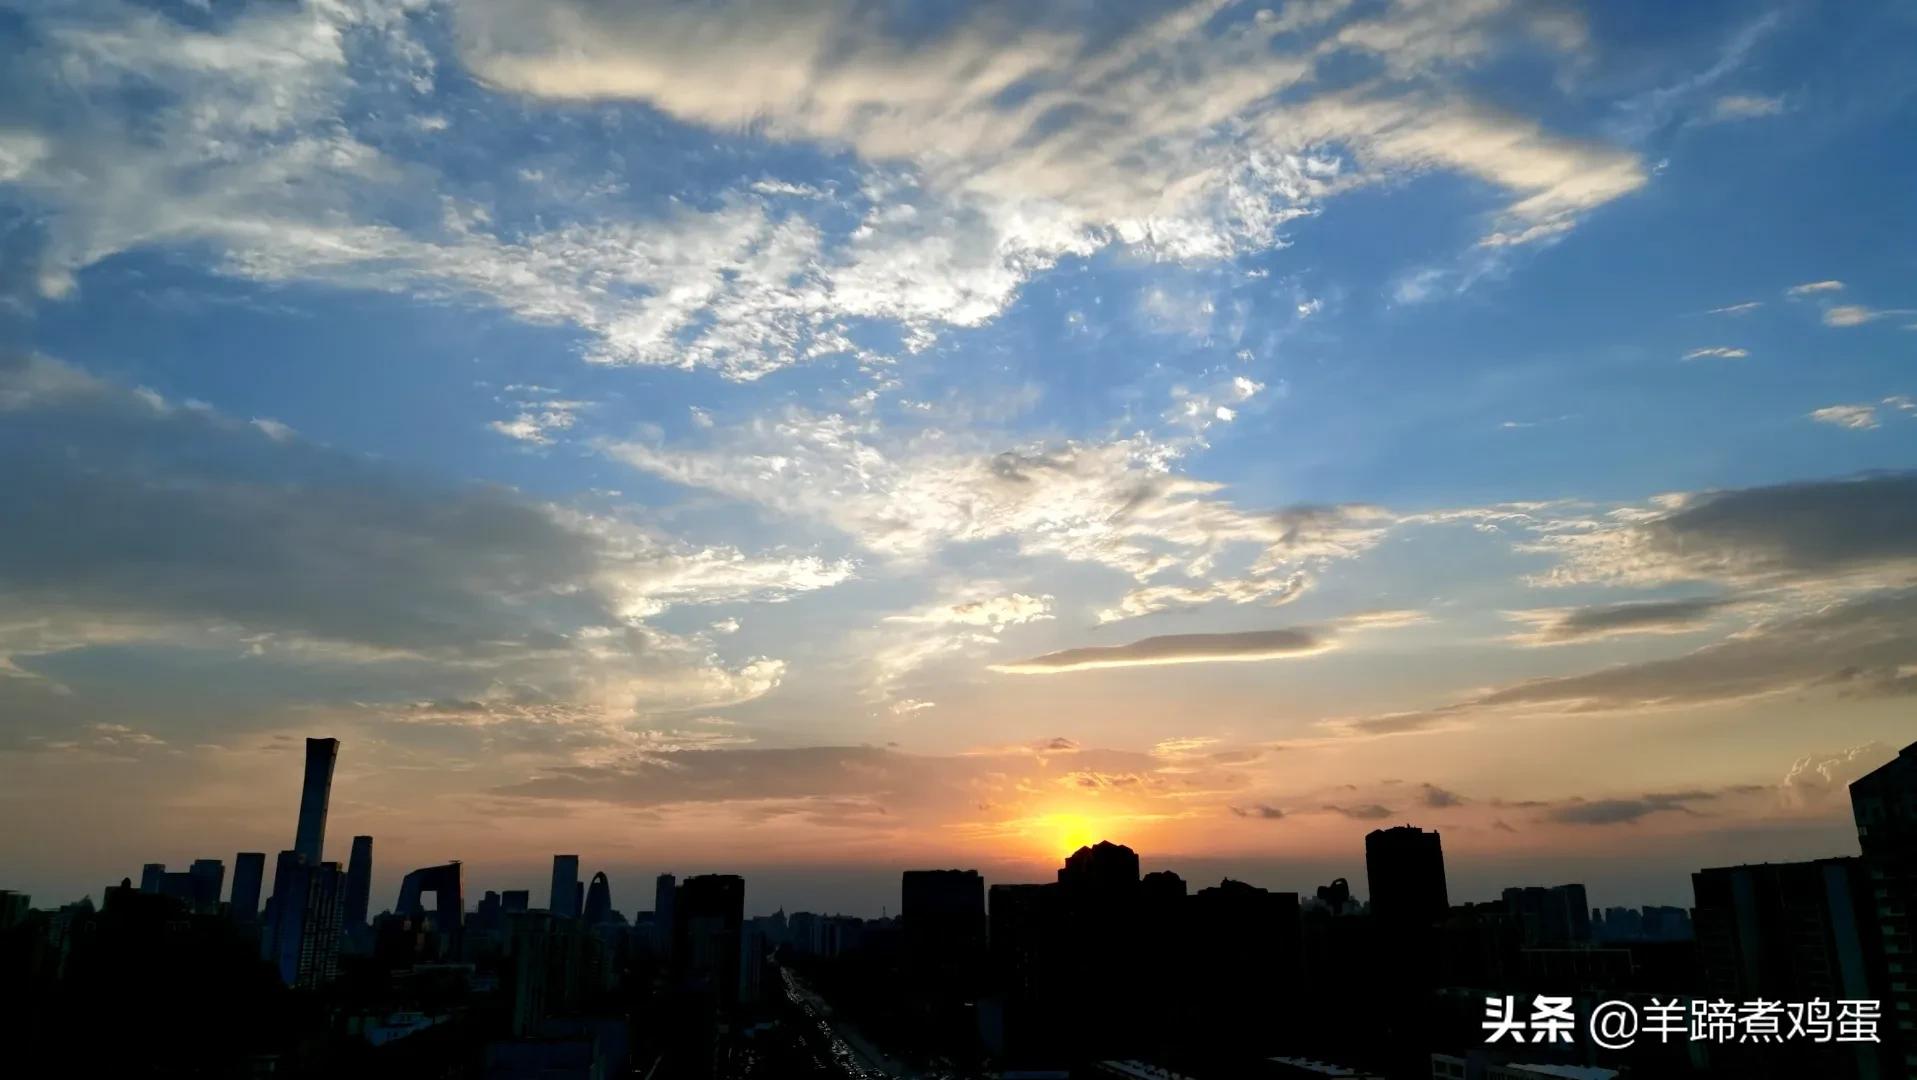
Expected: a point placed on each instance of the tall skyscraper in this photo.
(1884, 804)
(151, 875)
(315, 793)
(249, 867)
(205, 879)
(303, 924)
(943, 917)
(708, 915)
(1789, 932)
(664, 890)
(1405, 869)
(562, 900)
(359, 882)
(598, 900)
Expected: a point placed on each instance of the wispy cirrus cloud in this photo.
(1733, 107)
(1563, 626)
(1176, 649)
(1814, 288)
(1719, 352)
(1250, 645)
(1845, 315)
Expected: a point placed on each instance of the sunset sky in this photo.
(819, 439)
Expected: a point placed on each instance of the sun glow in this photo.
(1067, 832)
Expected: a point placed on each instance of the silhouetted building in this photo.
(598, 907)
(664, 888)
(206, 878)
(515, 900)
(943, 917)
(708, 911)
(562, 899)
(1104, 869)
(1649, 923)
(197, 888)
(1550, 917)
(1245, 967)
(249, 868)
(1884, 804)
(1022, 918)
(1787, 932)
(447, 883)
(13, 908)
(315, 794)
(1404, 867)
(359, 882)
(1336, 897)
(304, 916)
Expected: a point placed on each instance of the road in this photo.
(849, 1050)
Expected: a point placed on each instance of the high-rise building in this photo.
(320, 927)
(13, 908)
(447, 883)
(1103, 867)
(1788, 932)
(151, 876)
(205, 880)
(1243, 969)
(562, 900)
(315, 793)
(1404, 867)
(359, 882)
(598, 907)
(1550, 917)
(249, 867)
(304, 917)
(943, 919)
(514, 901)
(708, 913)
(664, 889)
(1884, 803)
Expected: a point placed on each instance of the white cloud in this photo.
(1811, 288)
(1116, 504)
(1858, 315)
(1744, 308)
(273, 429)
(993, 612)
(1745, 107)
(1855, 417)
(1722, 352)
(1174, 133)
(989, 151)
(1821, 778)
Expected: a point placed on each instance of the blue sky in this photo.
(668, 429)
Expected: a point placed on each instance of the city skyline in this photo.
(1388, 851)
(973, 432)
(1105, 969)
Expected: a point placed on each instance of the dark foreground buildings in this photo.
(1104, 971)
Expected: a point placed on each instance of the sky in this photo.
(818, 439)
